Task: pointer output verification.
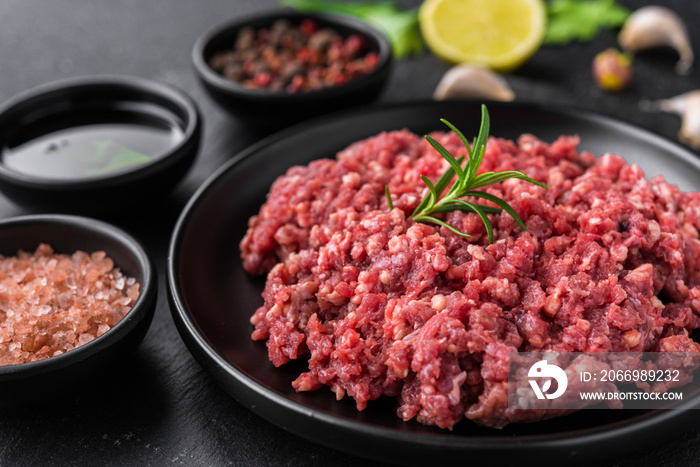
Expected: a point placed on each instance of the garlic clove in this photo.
(688, 107)
(472, 82)
(657, 26)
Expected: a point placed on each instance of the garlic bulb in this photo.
(688, 107)
(472, 82)
(656, 26)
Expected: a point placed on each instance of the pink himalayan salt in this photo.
(52, 303)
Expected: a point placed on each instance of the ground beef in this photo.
(381, 305)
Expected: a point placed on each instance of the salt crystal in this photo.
(85, 338)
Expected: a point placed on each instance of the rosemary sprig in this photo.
(388, 198)
(466, 184)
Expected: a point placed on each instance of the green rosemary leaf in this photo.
(431, 187)
(447, 178)
(484, 219)
(461, 136)
(446, 154)
(499, 202)
(459, 207)
(388, 197)
(481, 179)
(423, 204)
(439, 187)
(442, 223)
(480, 140)
(468, 176)
(491, 178)
(479, 158)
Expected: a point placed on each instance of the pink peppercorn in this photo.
(304, 55)
(353, 45)
(296, 84)
(308, 27)
(262, 79)
(371, 60)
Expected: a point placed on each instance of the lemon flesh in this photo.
(500, 34)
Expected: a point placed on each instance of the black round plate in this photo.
(212, 297)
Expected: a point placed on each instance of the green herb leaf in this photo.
(442, 223)
(581, 20)
(458, 133)
(99, 150)
(480, 141)
(400, 26)
(446, 154)
(499, 202)
(424, 203)
(439, 186)
(459, 207)
(447, 177)
(119, 157)
(480, 213)
(388, 197)
(466, 184)
(490, 178)
(431, 187)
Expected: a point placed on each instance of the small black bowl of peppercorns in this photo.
(280, 67)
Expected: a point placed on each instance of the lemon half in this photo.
(500, 34)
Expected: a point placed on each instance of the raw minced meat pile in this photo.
(380, 305)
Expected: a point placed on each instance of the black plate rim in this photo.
(215, 364)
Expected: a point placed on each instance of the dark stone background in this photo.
(160, 408)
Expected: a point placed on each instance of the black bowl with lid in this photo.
(96, 143)
(265, 108)
(73, 371)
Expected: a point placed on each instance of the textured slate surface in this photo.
(159, 407)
